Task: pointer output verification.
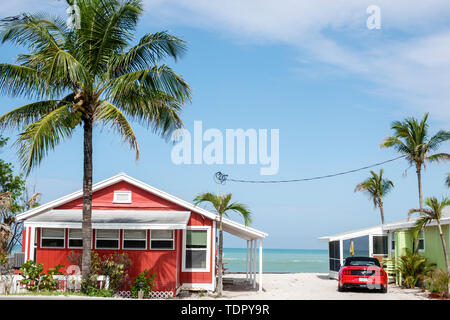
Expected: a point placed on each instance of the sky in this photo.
(311, 69)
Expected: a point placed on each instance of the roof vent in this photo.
(122, 197)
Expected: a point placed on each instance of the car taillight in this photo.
(346, 272)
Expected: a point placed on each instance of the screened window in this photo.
(196, 249)
(380, 245)
(75, 238)
(161, 240)
(52, 238)
(334, 251)
(107, 239)
(421, 240)
(134, 239)
(393, 241)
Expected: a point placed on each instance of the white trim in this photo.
(418, 242)
(370, 245)
(41, 237)
(247, 232)
(32, 247)
(114, 239)
(136, 249)
(260, 265)
(197, 286)
(208, 250)
(68, 239)
(163, 249)
(213, 262)
(118, 192)
(101, 226)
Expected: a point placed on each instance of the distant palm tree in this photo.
(433, 213)
(411, 139)
(447, 180)
(376, 187)
(222, 205)
(89, 75)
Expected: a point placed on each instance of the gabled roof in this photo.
(230, 226)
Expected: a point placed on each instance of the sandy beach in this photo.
(307, 286)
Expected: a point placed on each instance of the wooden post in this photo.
(254, 266)
(246, 267)
(260, 265)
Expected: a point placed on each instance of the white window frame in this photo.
(41, 236)
(423, 239)
(123, 240)
(159, 249)
(118, 240)
(208, 250)
(68, 238)
(117, 192)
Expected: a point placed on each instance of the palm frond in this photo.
(111, 116)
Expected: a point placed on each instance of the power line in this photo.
(222, 178)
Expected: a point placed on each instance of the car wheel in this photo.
(341, 289)
(384, 289)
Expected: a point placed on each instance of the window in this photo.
(135, 239)
(393, 241)
(161, 239)
(52, 238)
(421, 240)
(75, 238)
(334, 251)
(107, 239)
(380, 245)
(196, 250)
(122, 197)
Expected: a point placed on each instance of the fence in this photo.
(10, 284)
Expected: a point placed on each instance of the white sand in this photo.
(309, 286)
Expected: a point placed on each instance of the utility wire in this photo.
(222, 178)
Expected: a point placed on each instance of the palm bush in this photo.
(438, 282)
(413, 268)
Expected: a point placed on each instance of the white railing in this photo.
(10, 284)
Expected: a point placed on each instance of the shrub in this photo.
(438, 283)
(413, 268)
(3, 259)
(35, 279)
(144, 282)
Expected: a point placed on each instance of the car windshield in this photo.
(362, 263)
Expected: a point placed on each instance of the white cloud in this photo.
(407, 58)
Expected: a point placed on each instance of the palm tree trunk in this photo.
(444, 246)
(87, 199)
(381, 211)
(220, 265)
(419, 182)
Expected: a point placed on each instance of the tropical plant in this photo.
(35, 279)
(223, 206)
(89, 75)
(413, 268)
(376, 187)
(411, 138)
(438, 282)
(144, 281)
(433, 212)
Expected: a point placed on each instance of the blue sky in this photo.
(310, 69)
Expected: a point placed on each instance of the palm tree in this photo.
(411, 139)
(222, 205)
(433, 212)
(86, 76)
(376, 187)
(447, 180)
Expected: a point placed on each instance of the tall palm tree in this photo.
(222, 206)
(433, 213)
(376, 187)
(412, 140)
(86, 76)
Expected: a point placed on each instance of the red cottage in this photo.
(158, 231)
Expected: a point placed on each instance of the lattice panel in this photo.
(153, 294)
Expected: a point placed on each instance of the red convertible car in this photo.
(362, 272)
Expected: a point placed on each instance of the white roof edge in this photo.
(124, 177)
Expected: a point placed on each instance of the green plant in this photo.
(3, 259)
(413, 268)
(411, 138)
(87, 76)
(438, 282)
(376, 187)
(222, 205)
(35, 279)
(144, 281)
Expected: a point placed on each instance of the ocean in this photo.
(279, 260)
